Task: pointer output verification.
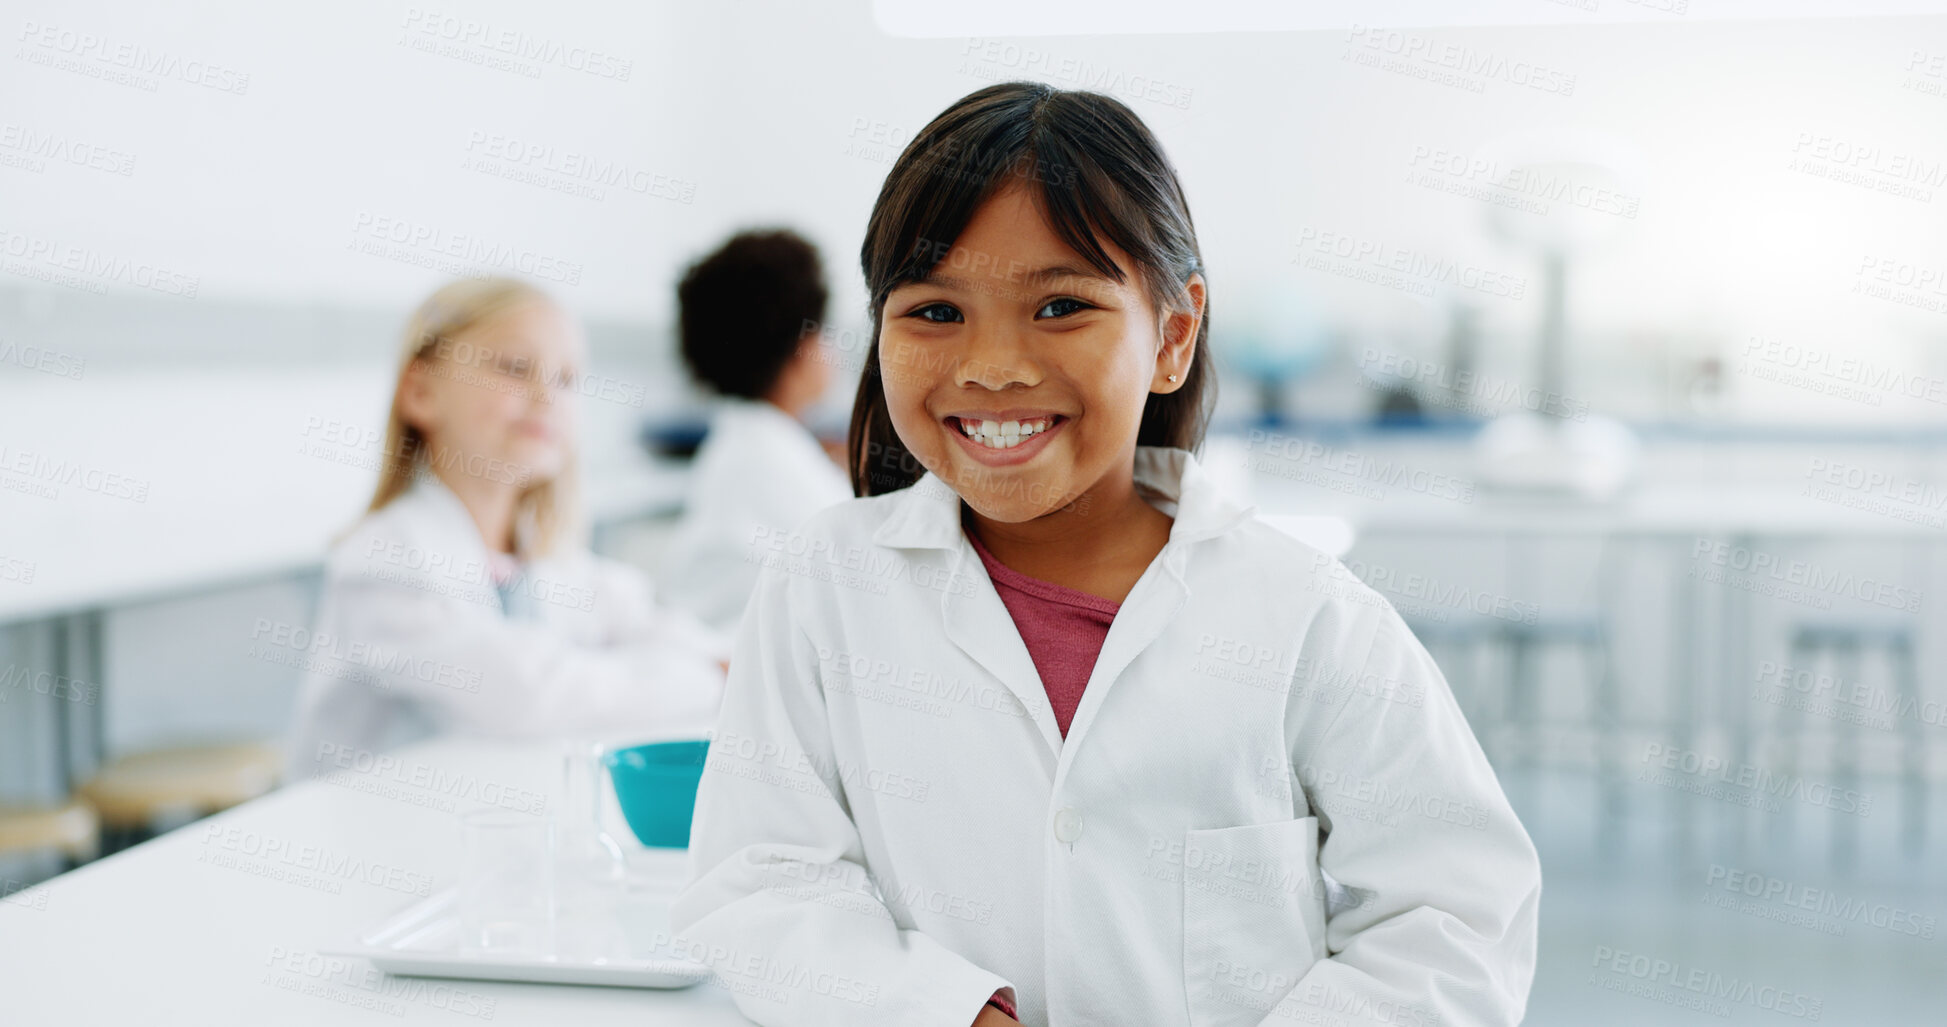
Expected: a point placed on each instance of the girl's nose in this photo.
(995, 359)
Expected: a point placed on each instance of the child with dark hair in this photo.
(744, 315)
(750, 323)
(1045, 728)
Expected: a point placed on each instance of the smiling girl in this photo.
(1046, 728)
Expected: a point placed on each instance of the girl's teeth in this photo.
(1002, 434)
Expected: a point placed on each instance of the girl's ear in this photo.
(1178, 330)
(418, 406)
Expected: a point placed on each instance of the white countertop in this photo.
(193, 928)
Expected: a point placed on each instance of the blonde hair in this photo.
(547, 518)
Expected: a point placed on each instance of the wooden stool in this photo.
(130, 792)
(70, 829)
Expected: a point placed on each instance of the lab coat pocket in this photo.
(1253, 917)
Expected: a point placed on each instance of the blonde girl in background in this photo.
(1045, 727)
(466, 600)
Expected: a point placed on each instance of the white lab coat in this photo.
(410, 640)
(1268, 808)
(758, 471)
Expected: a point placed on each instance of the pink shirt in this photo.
(1063, 629)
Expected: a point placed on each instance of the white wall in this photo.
(781, 112)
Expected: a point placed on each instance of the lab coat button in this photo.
(1068, 824)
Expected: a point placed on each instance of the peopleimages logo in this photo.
(1862, 703)
(1422, 588)
(1821, 902)
(514, 45)
(1449, 63)
(1289, 456)
(1803, 574)
(121, 61)
(89, 269)
(238, 848)
(1837, 371)
(1709, 990)
(1705, 774)
(1486, 392)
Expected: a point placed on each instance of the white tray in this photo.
(621, 941)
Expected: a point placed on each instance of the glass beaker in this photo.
(506, 899)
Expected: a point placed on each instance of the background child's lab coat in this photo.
(411, 639)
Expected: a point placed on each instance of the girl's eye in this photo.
(938, 313)
(516, 368)
(1062, 307)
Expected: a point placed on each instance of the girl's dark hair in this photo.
(1099, 173)
(742, 310)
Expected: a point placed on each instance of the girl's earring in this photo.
(1172, 377)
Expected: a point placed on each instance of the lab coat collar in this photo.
(456, 526)
(753, 411)
(928, 517)
(928, 512)
(429, 493)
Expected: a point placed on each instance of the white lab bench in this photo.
(224, 921)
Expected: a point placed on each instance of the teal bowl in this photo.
(656, 785)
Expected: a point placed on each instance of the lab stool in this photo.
(1845, 644)
(69, 829)
(1511, 733)
(132, 793)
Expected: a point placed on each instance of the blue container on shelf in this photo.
(655, 785)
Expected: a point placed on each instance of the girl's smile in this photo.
(1005, 438)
